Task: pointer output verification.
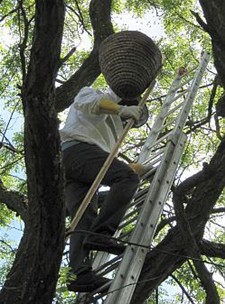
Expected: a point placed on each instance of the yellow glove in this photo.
(107, 106)
(140, 169)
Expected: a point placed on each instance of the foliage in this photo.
(63, 296)
(181, 43)
(8, 246)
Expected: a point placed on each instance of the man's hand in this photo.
(131, 112)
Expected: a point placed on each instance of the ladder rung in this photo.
(187, 81)
(153, 156)
(169, 123)
(160, 140)
(128, 222)
(175, 108)
(127, 218)
(108, 266)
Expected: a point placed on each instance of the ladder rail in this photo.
(177, 83)
(160, 119)
(102, 257)
(128, 272)
(123, 285)
(153, 140)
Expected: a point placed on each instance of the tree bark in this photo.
(33, 277)
(214, 12)
(42, 244)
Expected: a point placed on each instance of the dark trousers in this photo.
(82, 163)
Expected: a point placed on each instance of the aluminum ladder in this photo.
(163, 149)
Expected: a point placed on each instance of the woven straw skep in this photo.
(129, 61)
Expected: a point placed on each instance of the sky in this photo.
(149, 24)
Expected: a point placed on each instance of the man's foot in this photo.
(88, 282)
(104, 243)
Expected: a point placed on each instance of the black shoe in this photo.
(104, 243)
(88, 282)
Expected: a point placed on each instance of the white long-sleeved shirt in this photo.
(85, 123)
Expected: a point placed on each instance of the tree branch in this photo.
(200, 21)
(89, 70)
(14, 201)
(193, 251)
(216, 29)
(9, 13)
(183, 289)
(212, 249)
(24, 39)
(33, 276)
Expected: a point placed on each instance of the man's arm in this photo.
(107, 106)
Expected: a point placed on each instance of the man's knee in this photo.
(131, 179)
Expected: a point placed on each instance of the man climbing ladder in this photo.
(147, 204)
(92, 128)
(90, 132)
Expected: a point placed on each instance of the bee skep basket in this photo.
(129, 61)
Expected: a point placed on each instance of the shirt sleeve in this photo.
(88, 100)
(112, 96)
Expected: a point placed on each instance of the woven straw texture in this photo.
(129, 61)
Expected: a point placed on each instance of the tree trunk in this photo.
(34, 274)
